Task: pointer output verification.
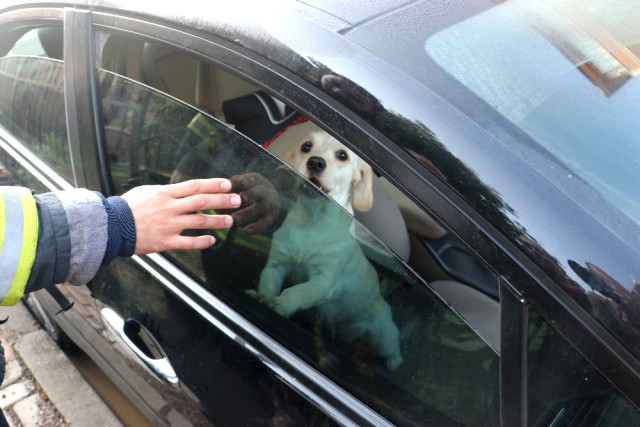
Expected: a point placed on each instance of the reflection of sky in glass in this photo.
(526, 77)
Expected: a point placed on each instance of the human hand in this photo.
(260, 202)
(162, 212)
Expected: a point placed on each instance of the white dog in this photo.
(315, 249)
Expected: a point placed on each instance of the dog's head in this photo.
(334, 169)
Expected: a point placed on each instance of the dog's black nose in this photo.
(316, 164)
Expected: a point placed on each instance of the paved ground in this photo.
(41, 386)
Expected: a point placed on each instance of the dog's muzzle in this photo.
(315, 165)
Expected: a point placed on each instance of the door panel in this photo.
(220, 383)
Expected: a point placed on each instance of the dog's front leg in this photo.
(304, 295)
(271, 279)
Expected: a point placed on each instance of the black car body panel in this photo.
(557, 246)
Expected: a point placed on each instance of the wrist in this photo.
(121, 228)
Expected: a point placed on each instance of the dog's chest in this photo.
(302, 245)
(307, 244)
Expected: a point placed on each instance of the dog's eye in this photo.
(342, 155)
(306, 147)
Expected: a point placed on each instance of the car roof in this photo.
(358, 12)
(336, 15)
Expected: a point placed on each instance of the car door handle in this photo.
(144, 346)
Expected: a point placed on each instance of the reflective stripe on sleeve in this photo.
(254, 242)
(201, 126)
(18, 241)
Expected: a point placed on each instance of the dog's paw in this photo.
(265, 299)
(252, 293)
(282, 307)
(394, 361)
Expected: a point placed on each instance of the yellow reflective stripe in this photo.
(193, 127)
(255, 245)
(204, 121)
(26, 224)
(255, 242)
(258, 238)
(29, 246)
(221, 235)
(201, 126)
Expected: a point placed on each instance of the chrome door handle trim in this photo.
(160, 367)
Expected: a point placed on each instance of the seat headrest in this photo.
(259, 116)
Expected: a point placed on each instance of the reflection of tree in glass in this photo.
(31, 98)
(143, 129)
(433, 154)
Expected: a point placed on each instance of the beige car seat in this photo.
(190, 80)
(481, 312)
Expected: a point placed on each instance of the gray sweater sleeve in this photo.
(72, 238)
(79, 230)
(87, 222)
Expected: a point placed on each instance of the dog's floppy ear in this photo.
(362, 186)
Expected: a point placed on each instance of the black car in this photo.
(504, 233)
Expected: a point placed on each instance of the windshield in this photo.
(567, 76)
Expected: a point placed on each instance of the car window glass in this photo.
(28, 45)
(13, 173)
(573, 90)
(32, 97)
(301, 268)
(562, 385)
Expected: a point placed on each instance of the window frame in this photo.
(514, 320)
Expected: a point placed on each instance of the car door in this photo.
(154, 134)
(449, 341)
